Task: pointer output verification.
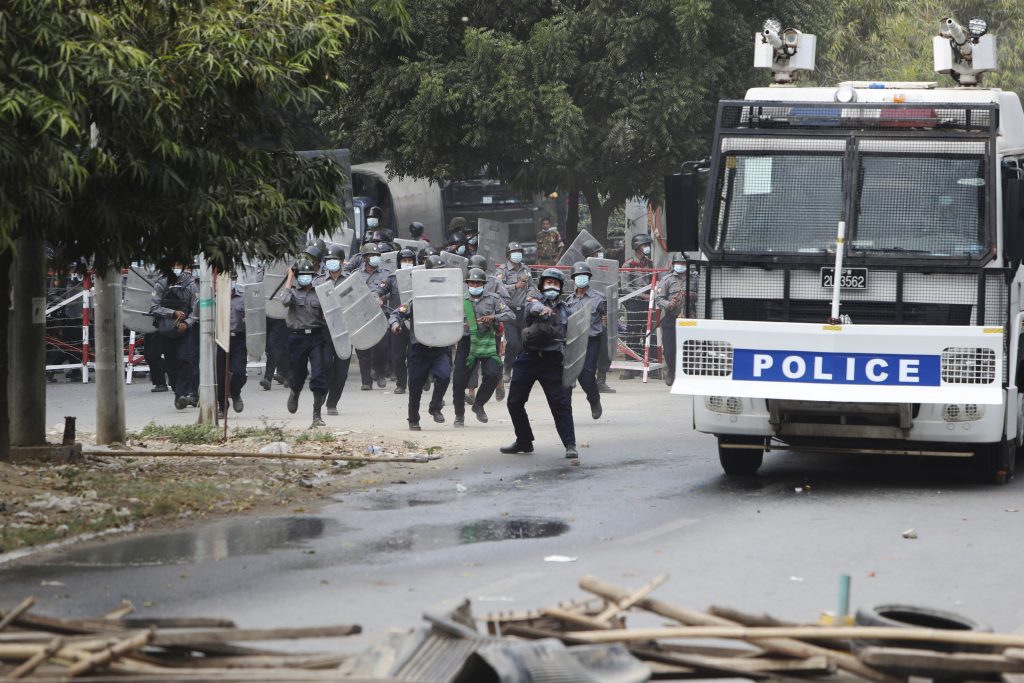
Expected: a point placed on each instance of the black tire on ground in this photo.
(995, 463)
(740, 462)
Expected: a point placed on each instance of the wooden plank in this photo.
(23, 606)
(303, 661)
(33, 662)
(617, 607)
(177, 622)
(257, 456)
(124, 610)
(785, 646)
(573, 617)
(955, 662)
(745, 619)
(214, 636)
(111, 653)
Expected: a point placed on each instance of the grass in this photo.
(272, 432)
(192, 434)
(317, 436)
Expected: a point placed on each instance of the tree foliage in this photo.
(603, 97)
(152, 129)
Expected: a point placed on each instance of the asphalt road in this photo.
(649, 497)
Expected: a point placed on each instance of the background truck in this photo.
(859, 279)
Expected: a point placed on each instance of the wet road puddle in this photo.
(429, 537)
(219, 541)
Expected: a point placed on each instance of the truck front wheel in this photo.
(994, 463)
(740, 462)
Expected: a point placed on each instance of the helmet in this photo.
(375, 212)
(387, 234)
(415, 228)
(369, 248)
(315, 249)
(433, 261)
(678, 257)
(513, 246)
(336, 251)
(304, 266)
(639, 240)
(471, 229)
(554, 274)
(386, 246)
(457, 223)
(591, 247)
(407, 253)
(456, 238)
(478, 261)
(581, 268)
(476, 275)
(378, 236)
(424, 253)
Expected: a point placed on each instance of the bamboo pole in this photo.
(260, 456)
(23, 606)
(115, 651)
(617, 607)
(33, 662)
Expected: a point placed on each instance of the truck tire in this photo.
(995, 463)
(740, 462)
(912, 616)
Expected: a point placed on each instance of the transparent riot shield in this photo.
(255, 320)
(576, 338)
(613, 311)
(326, 292)
(138, 298)
(274, 278)
(415, 245)
(493, 240)
(404, 280)
(361, 313)
(437, 301)
(455, 261)
(574, 252)
(606, 281)
(389, 261)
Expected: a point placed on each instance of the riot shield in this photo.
(493, 241)
(138, 298)
(415, 245)
(404, 280)
(437, 300)
(576, 338)
(255, 320)
(273, 286)
(455, 261)
(360, 311)
(574, 252)
(606, 281)
(611, 297)
(389, 261)
(331, 305)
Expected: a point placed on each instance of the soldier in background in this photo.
(593, 249)
(636, 307)
(307, 341)
(175, 308)
(237, 355)
(424, 361)
(549, 243)
(333, 264)
(581, 295)
(674, 292)
(515, 276)
(373, 362)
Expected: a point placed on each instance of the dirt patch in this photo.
(44, 503)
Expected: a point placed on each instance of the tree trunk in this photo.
(6, 258)
(27, 342)
(599, 215)
(110, 421)
(572, 218)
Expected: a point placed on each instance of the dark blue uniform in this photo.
(237, 356)
(424, 361)
(307, 339)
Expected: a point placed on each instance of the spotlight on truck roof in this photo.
(786, 52)
(964, 55)
(977, 27)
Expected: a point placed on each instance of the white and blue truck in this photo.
(859, 273)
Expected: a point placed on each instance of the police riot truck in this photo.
(859, 274)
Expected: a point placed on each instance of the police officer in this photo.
(636, 323)
(416, 231)
(472, 233)
(457, 244)
(333, 263)
(515, 276)
(484, 311)
(580, 297)
(541, 361)
(373, 362)
(398, 345)
(674, 291)
(424, 253)
(374, 219)
(592, 249)
(424, 361)
(237, 354)
(307, 341)
(493, 286)
(175, 309)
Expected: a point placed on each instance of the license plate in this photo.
(851, 278)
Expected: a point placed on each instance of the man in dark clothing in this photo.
(237, 355)
(175, 309)
(307, 341)
(398, 345)
(515, 276)
(333, 266)
(373, 362)
(541, 361)
(581, 296)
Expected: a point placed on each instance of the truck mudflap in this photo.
(852, 363)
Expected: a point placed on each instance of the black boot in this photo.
(318, 401)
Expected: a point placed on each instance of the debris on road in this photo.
(910, 534)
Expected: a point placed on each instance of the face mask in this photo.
(551, 293)
(516, 257)
(476, 291)
(333, 265)
(305, 280)
(372, 222)
(472, 240)
(679, 267)
(405, 265)
(599, 254)
(374, 261)
(582, 280)
(176, 271)
(461, 249)
(646, 251)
